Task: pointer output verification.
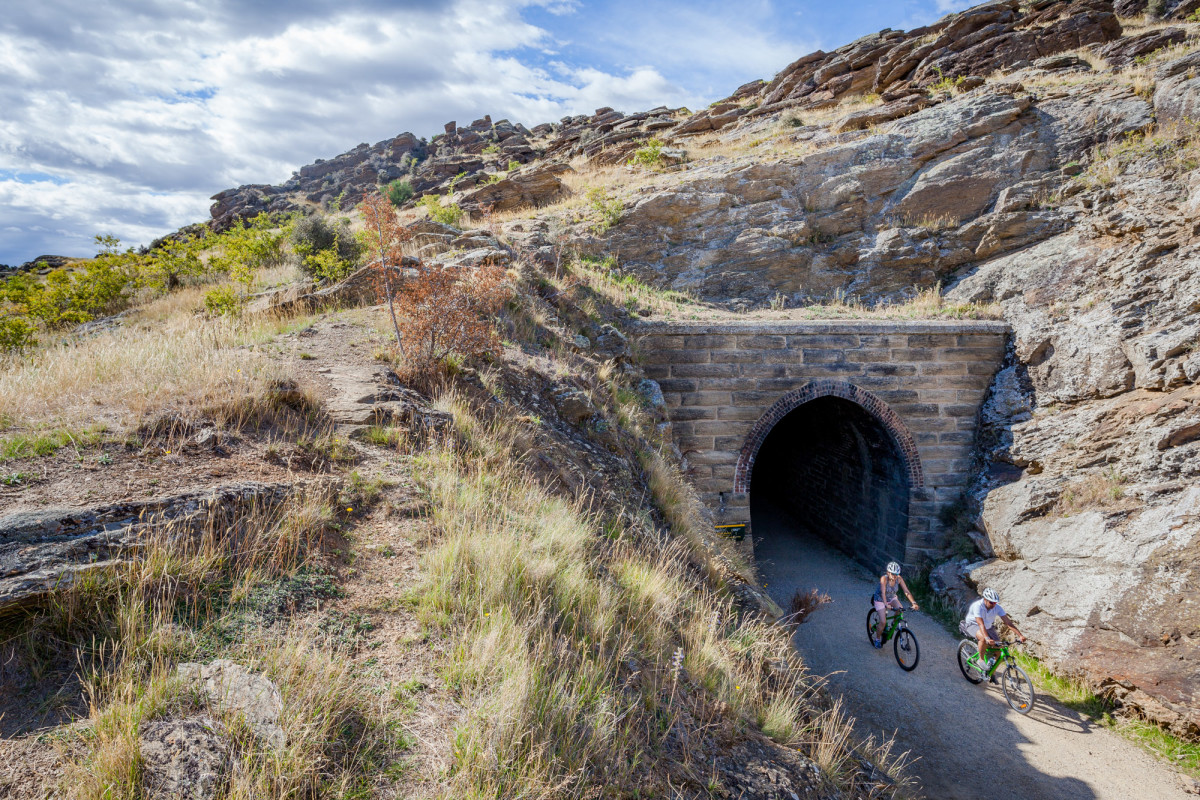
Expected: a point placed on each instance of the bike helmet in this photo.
(893, 568)
(991, 595)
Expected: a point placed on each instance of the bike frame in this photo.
(892, 623)
(1004, 658)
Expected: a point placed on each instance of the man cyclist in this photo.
(981, 622)
(885, 598)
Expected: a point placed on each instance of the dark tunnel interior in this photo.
(834, 471)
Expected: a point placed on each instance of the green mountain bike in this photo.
(1017, 688)
(904, 641)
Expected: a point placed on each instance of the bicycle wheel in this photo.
(970, 671)
(872, 623)
(1018, 689)
(905, 647)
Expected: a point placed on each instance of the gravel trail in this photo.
(969, 743)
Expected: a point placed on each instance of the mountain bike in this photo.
(1017, 688)
(904, 641)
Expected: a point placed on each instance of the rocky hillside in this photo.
(1037, 155)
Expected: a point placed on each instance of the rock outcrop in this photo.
(49, 548)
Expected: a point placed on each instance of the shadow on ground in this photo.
(965, 740)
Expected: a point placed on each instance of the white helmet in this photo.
(893, 568)
(991, 595)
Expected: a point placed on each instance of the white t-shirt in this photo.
(978, 609)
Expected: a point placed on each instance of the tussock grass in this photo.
(930, 303)
(120, 631)
(181, 361)
(1097, 490)
(624, 289)
(583, 646)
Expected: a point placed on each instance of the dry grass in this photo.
(122, 631)
(929, 303)
(1094, 60)
(1174, 146)
(804, 603)
(580, 644)
(1098, 490)
(164, 356)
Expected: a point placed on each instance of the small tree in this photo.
(383, 239)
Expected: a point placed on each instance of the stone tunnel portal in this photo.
(835, 471)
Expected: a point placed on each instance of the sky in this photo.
(123, 117)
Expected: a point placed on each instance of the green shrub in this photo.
(491, 149)
(513, 164)
(16, 333)
(450, 214)
(649, 154)
(174, 262)
(224, 301)
(328, 250)
(399, 192)
(243, 250)
(71, 296)
(944, 83)
(609, 208)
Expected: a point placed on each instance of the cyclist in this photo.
(981, 620)
(885, 598)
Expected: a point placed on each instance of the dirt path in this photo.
(971, 745)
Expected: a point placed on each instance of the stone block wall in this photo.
(726, 384)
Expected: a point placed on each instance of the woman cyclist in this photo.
(885, 598)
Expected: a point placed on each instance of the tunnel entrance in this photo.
(832, 469)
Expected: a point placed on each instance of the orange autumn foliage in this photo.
(435, 310)
(444, 310)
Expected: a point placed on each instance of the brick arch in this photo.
(825, 388)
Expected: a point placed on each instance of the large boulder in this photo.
(1177, 90)
(526, 188)
(232, 689)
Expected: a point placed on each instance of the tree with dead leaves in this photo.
(446, 310)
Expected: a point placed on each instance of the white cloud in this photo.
(951, 6)
(127, 120)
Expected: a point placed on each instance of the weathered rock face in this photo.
(959, 50)
(974, 43)
(184, 758)
(1098, 537)
(873, 214)
(533, 187)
